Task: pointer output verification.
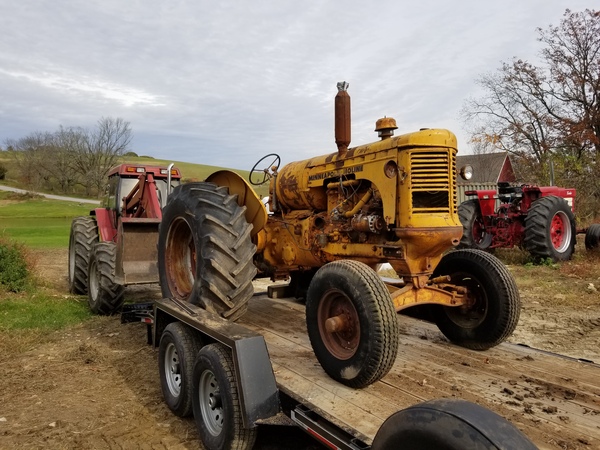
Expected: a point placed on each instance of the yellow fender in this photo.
(256, 213)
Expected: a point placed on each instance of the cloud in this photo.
(226, 82)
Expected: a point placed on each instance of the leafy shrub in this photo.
(13, 266)
(2, 171)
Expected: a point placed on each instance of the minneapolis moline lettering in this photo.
(335, 173)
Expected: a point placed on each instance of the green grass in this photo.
(39, 223)
(39, 207)
(40, 312)
(37, 233)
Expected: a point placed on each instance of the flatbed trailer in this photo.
(554, 401)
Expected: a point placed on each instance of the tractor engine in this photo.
(393, 201)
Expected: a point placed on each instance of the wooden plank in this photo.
(554, 400)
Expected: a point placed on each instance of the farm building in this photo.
(488, 170)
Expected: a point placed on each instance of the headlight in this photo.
(466, 172)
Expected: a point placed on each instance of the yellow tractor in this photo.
(331, 221)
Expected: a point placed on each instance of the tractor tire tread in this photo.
(84, 234)
(537, 228)
(110, 294)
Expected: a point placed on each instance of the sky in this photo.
(226, 82)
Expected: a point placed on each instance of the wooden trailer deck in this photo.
(555, 401)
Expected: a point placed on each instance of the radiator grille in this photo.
(432, 176)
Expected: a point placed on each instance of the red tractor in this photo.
(116, 245)
(538, 219)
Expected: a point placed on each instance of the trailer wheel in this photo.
(84, 234)
(352, 323)
(474, 234)
(205, 250)
(217, 409)
(447, 424)
(550, 229)
(179, 346)
(495, 303)
(105, 296)
(592, 237)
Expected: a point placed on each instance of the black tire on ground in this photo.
(496, 306)
(474, 235)
(352, 323)
(449, 424)
(105, 296)
(83, 236)
(179, 346)
(216, 402)
(205, 250)
(550, 229)
(592, 237)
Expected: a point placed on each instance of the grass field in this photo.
(38, 222)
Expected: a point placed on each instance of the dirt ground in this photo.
(96, 385)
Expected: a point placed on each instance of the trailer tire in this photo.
(105, 295)
(83, 236)
(177, 351)
(474, 235)
(205, 251)
(364, 347)
(592, 237)
(449, 424)
(216, 402)
(550, 229)
(494, 314)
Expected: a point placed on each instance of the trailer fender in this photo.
(256, 385)
(449, 424)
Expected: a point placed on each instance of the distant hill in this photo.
(189, 171)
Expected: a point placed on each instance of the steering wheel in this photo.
(261, 176)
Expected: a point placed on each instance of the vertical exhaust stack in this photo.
(342, 119)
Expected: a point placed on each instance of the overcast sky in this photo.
(226, 82)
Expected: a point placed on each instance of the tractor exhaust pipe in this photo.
(342, 119)
(169, 178)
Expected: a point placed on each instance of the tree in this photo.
(549, 112)
(101, 149)
(71, 156)
(110, 141)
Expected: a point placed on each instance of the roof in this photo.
(488, 167)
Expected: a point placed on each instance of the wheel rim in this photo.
(339, 324)
(475, 311)
(93, 285)
(560, 232)
(180, 259)
(172, 369)
(211, 404)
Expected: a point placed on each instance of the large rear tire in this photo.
(495, 303)
(216, 402)
(83, 236)
(592, 237)
(352, 323)
(550, 229)
(474, 234)
(179, 346)
(449, 424)
(105, 296)
(205, 250)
